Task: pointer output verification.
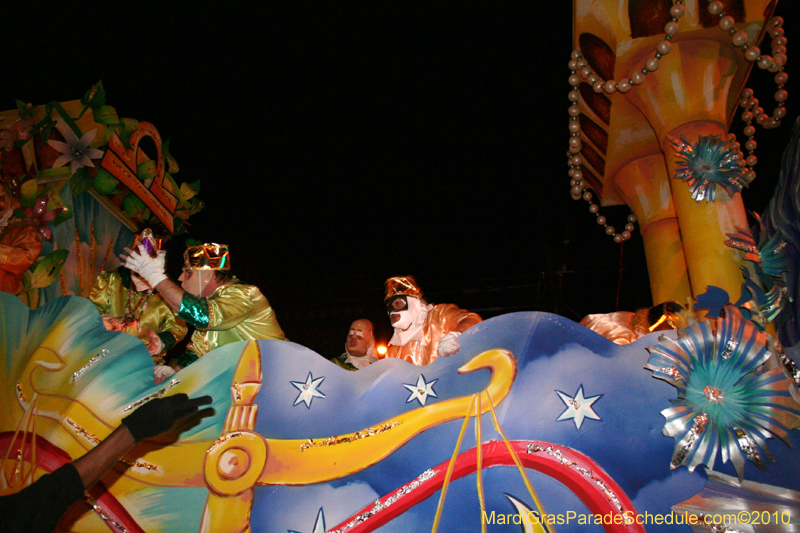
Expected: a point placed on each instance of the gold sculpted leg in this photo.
(235, 461)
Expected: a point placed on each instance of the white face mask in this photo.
(408, 317)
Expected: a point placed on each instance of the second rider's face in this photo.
(194, 281)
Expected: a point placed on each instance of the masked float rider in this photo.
(210, 298)
(422, 331)
(359, 349)
(128, 303)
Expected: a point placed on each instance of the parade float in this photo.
(538, 423)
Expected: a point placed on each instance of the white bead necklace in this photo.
(580, 70)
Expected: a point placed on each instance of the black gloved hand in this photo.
(160, 415)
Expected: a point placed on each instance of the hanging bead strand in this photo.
(581, 71)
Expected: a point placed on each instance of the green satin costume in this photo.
(233, 313)
(110, 295)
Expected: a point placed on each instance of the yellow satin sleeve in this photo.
(236, 312)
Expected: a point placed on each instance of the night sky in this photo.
(341, 143)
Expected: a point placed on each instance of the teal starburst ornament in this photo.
(707, 164)
(768, 254)
(728, 399)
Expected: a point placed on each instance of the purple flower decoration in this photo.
(707, 164)
(76, 151)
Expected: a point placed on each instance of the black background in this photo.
(341, 143)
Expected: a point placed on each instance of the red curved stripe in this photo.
(564, 469)
(50, 458)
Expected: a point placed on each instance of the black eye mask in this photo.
(396, 304)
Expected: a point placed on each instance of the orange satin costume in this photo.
(618, 327)
(441, 320)
(20, 246)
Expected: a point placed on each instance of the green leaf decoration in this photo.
(178, 226)
(28, 296)
(95, 97)
(193, 242)
(67, 119)
(170, 184)
(104, 182)
(172, 164)
(63, 215)
(129, 125)
(45, 270)
(80, 182)
(29, 191)
(24, 108)
(111, 129)
(46, 130)
(197, 206)
(55, 202)
(135, 208)
(146, 170)
(45, 125)
(186, 193)
(105, 115)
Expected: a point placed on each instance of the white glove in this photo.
(449, 344)
(162, 372)
(151, 269)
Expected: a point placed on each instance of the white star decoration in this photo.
(578, 407)
(319, 525)
(308, 390)
(421, 390)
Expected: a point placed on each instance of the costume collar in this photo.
(361, 362)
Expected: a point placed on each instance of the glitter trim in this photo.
(226, 437)
(749, 447)
(379, 506)
(686, 444)
(20, 394)
(607, 492)
(671, 371)
(153, 396)
(363, 434)
(788, 364)
(139, 464)
(715, 528)
(729, 347)
(77, 374)
(99, 510)
(82, 432)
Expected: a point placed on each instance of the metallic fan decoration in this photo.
(769, 254)
(707, 164)
(771, 264)
(727, 399)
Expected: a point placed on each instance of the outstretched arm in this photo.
(171, 292)
(95, 464)
(39, 507)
